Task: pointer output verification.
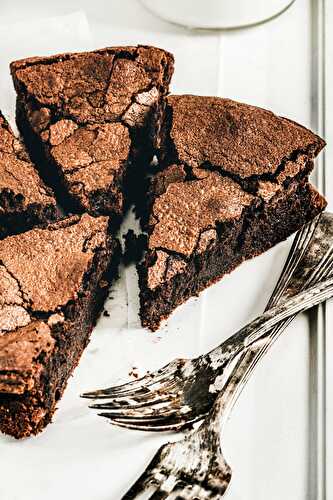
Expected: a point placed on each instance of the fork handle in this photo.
(222, 355)
(249, 357)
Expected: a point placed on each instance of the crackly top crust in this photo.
(218, 157)
(91, 156)
(18, 175)
(49, 264)
(188, 208)
(83, 107)
(184, 217)
(94, 86)
(236, 138)
(41, 271)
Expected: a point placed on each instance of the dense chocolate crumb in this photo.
(92, 121)
(232, 182)
(135, 244)
(25, 201)
(53, 283)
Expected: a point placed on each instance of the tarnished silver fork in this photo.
(194, 468)
(184, 391)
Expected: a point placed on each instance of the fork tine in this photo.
(128, 387)
(102, 394)
(155, 395)
(140, 399)
(141, 384)
(149, 388)
(115, 404)
(144, 395)
(132, 387)
(146, 428)
(174, 425)
(137, 389)
(148, 382)
(173, 415)
(133, 414)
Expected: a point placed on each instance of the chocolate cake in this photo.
(232, 182)
(53, 284)
(91, 120)
(24, 199)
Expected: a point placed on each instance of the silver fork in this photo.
(180, 393)
(194, 468)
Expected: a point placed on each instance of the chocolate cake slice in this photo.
(53, 283)
(91, 120)
(233, 182)
(24, 199)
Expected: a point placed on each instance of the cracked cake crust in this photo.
(238, 139)
(25, 201)
(92, 120)
(229, 174)
(53, 283)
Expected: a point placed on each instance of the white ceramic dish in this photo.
(215, 14)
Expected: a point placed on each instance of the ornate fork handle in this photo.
(223, 355)
(254, 343)
(308, 274)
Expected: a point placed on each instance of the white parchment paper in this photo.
(80, 455)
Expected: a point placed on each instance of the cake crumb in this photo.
(135, 245)
(134, 372)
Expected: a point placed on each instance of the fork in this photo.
(197, 459)
(194, 468)
(181, 392)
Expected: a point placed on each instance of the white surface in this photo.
(267, 440)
